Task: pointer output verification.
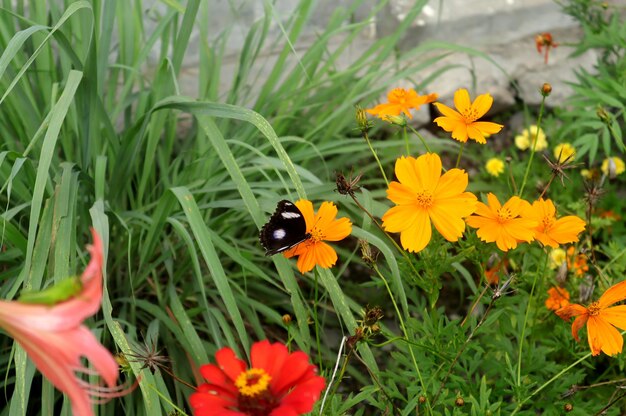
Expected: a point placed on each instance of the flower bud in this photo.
(286, 319)
(397, 120)
(459, 402)
(546, 89)
(568, 407)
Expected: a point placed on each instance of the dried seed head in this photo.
(347, 186)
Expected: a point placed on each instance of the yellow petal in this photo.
(428, 170)
(451, 183)
(566, 229)
(487, 127)
(493, 202)
(460, 132)
(401, 194)
(475, 134)
(400, 217)
(450, 226)
(482, 104)
(406, 174)
(448, 112)
(459, 206)
(418, 234)
(462, 100)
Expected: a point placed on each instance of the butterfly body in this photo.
(285, 229)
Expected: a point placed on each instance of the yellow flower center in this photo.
(425, 199)
(253, 382)
(594, 309)
(504, 214)
(470, 115)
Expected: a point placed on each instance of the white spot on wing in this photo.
(279, 234)
(290, 215)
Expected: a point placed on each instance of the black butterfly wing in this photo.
(285, 229)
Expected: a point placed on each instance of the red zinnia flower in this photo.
(278, 383)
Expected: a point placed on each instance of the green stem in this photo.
(317, 332)
(405, 332)
(458, 159)
(528, 308)
(534, 145)
(406, 141)
(419, 136)
(380, 166)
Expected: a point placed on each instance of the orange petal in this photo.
(306, 260)
(603, 337)
(613, 294)
(415, 237)
(460, 132)
(615, 315)
(338, 230)
(325, 256)
(573, 309)
(325, 215)
(459, 206)
(475, 134)
(306, 208)
(566, 229)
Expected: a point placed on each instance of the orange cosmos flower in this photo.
(423, 195)
(55, 338)
(550, 231)
(322, 227)
(462, 123)
(278, 383)
(401, 101)
(503, 224)
(601, 320)
(558, 298)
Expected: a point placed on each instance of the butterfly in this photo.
(285, 229)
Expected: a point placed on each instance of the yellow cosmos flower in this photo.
(601, 320)
(503, 224)
(550, 231)
(558, 298)
(494, 166)
(423, 195)
(462, 123)
(557, 257)
(618, 165)
(564, 151)
(401, 101)
(523, 140)
(322, 227)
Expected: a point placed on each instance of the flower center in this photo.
(316, 235)
(504, 214)
(470, 115)
(547, 222)
(253, 382)
(594, 309)
(424, 199)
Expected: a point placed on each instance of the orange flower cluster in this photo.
(577, 262)
(558, 298)
(401, 101)
(518, 221)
